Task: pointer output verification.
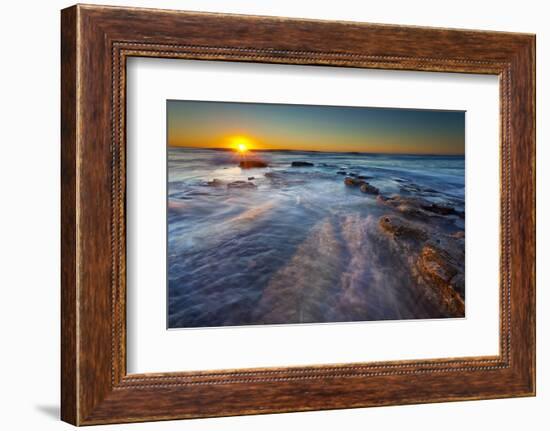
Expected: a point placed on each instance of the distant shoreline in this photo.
(222, 149)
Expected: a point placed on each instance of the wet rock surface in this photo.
(353, 182)
(435, 257)
(442, 273)
(400, 228)
(420, 235)
(369, 189)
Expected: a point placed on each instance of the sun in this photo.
(241, 144)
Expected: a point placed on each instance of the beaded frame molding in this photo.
(95, 43)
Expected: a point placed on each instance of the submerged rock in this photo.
(241, 185)
(410, 188)
(214, 183)
(283, 179)
(342, 173)
(369, 189)
(363, 177)
(301, 164)
(248, 164)
(400, 228)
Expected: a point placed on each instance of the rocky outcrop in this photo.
(441, 272)
(353, 182)
(369, 189)
(249, 164)
(299, 164)
(400, 228)
(418, 207)
(434, 259)
(362, 184)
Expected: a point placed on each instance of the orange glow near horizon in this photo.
(241, 143)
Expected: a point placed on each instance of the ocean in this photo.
(289, 244)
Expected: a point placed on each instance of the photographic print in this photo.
(289, 214)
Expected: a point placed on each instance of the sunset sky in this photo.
(314, 128)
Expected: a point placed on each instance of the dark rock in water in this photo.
(352, 182)
(367, 188)
(283, 179)
(214, 183)
(301, 164)
(401, 229)
(438, 209)
(248, 164)
(342, 173)
(352, 174)
(418, 207)
(439, 271)
(241, 185)
(250, 178)
(363, 177)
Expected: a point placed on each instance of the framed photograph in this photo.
(264, 215)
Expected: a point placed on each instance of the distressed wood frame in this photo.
(95, 43)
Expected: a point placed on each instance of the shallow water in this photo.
(300, 246)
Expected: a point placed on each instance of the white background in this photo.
(29, 227)
(151, 348)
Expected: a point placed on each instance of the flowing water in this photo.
(297, 246)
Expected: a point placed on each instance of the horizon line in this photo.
(228, 149)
